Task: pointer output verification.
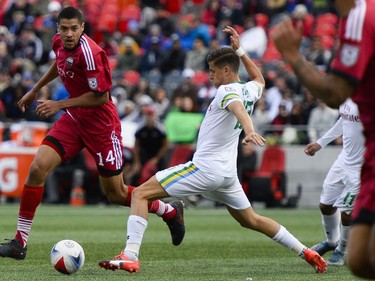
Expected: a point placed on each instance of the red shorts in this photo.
(364, 207)
(68, 138)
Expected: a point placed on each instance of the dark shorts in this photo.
(364, 207)
(67, 138)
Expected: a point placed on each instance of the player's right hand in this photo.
(311, 148)
(27, 99)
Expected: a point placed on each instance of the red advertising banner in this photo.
(14, 167)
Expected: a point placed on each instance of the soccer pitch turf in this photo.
(215, 247)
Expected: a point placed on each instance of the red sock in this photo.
(30, 200)
(166, 211)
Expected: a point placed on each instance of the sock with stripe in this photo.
(30, 200)
(158, 207)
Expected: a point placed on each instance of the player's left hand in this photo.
(234, 37)
(47, 108)
(254, 138)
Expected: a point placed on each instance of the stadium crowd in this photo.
(157, 52)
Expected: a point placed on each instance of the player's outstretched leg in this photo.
(120, 262)
(176, 225)
(13, 249)
(314, 259)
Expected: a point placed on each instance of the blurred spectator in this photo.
(46, 26)
(134, 31)
(18, 14)
(5, 58)
(173, 59)
(232, 11)
(153, 31)
(128, 59)
(187, 87)
(142, 88)
(152, 58)
(28, 45)
(197, 56)
(273, 96)
(109, 45)
(318, 55)
(281, 119)
(301, 15)
(275, 9)
(138, 115)
(161, 102)
(309, 102)
(210, 14)
(321, 119)
(6, 37)
(150, 147)
(200, 30)
(260, 116)
(163, 19)
(254, 39)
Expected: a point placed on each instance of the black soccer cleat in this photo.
(176, 225)
(12, 249)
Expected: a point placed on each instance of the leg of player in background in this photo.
(331, 224)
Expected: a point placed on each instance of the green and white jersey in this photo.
(219, 133)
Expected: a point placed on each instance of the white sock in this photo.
(285, 238)
(345, 229)
(136, 228)
(331, 225)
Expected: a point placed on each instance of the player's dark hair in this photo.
(225, 56)
(70, 13)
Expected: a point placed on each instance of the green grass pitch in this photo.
(215, 246)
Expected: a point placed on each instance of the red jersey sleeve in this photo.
(357, 40)
(97, 67)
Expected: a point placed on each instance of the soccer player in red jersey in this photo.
(351, 75)
(91, 121)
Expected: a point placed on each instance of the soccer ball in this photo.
(67, 256)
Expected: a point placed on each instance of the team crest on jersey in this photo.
(229, 89)
(69, 63)
(93, 83)
(349, 54)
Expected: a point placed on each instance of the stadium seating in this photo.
(268, 183)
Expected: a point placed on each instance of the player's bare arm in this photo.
(47, 108)
(243, 117)
(331, 88)
(31, 96)
(251, 69)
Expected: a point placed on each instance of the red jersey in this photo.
(82, 70)
(355, 59)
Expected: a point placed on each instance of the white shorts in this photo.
(341, 186)
(187, 179)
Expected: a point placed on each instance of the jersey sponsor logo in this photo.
(93, 83)
(229, 89)
(349, 54)
(69, 63)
